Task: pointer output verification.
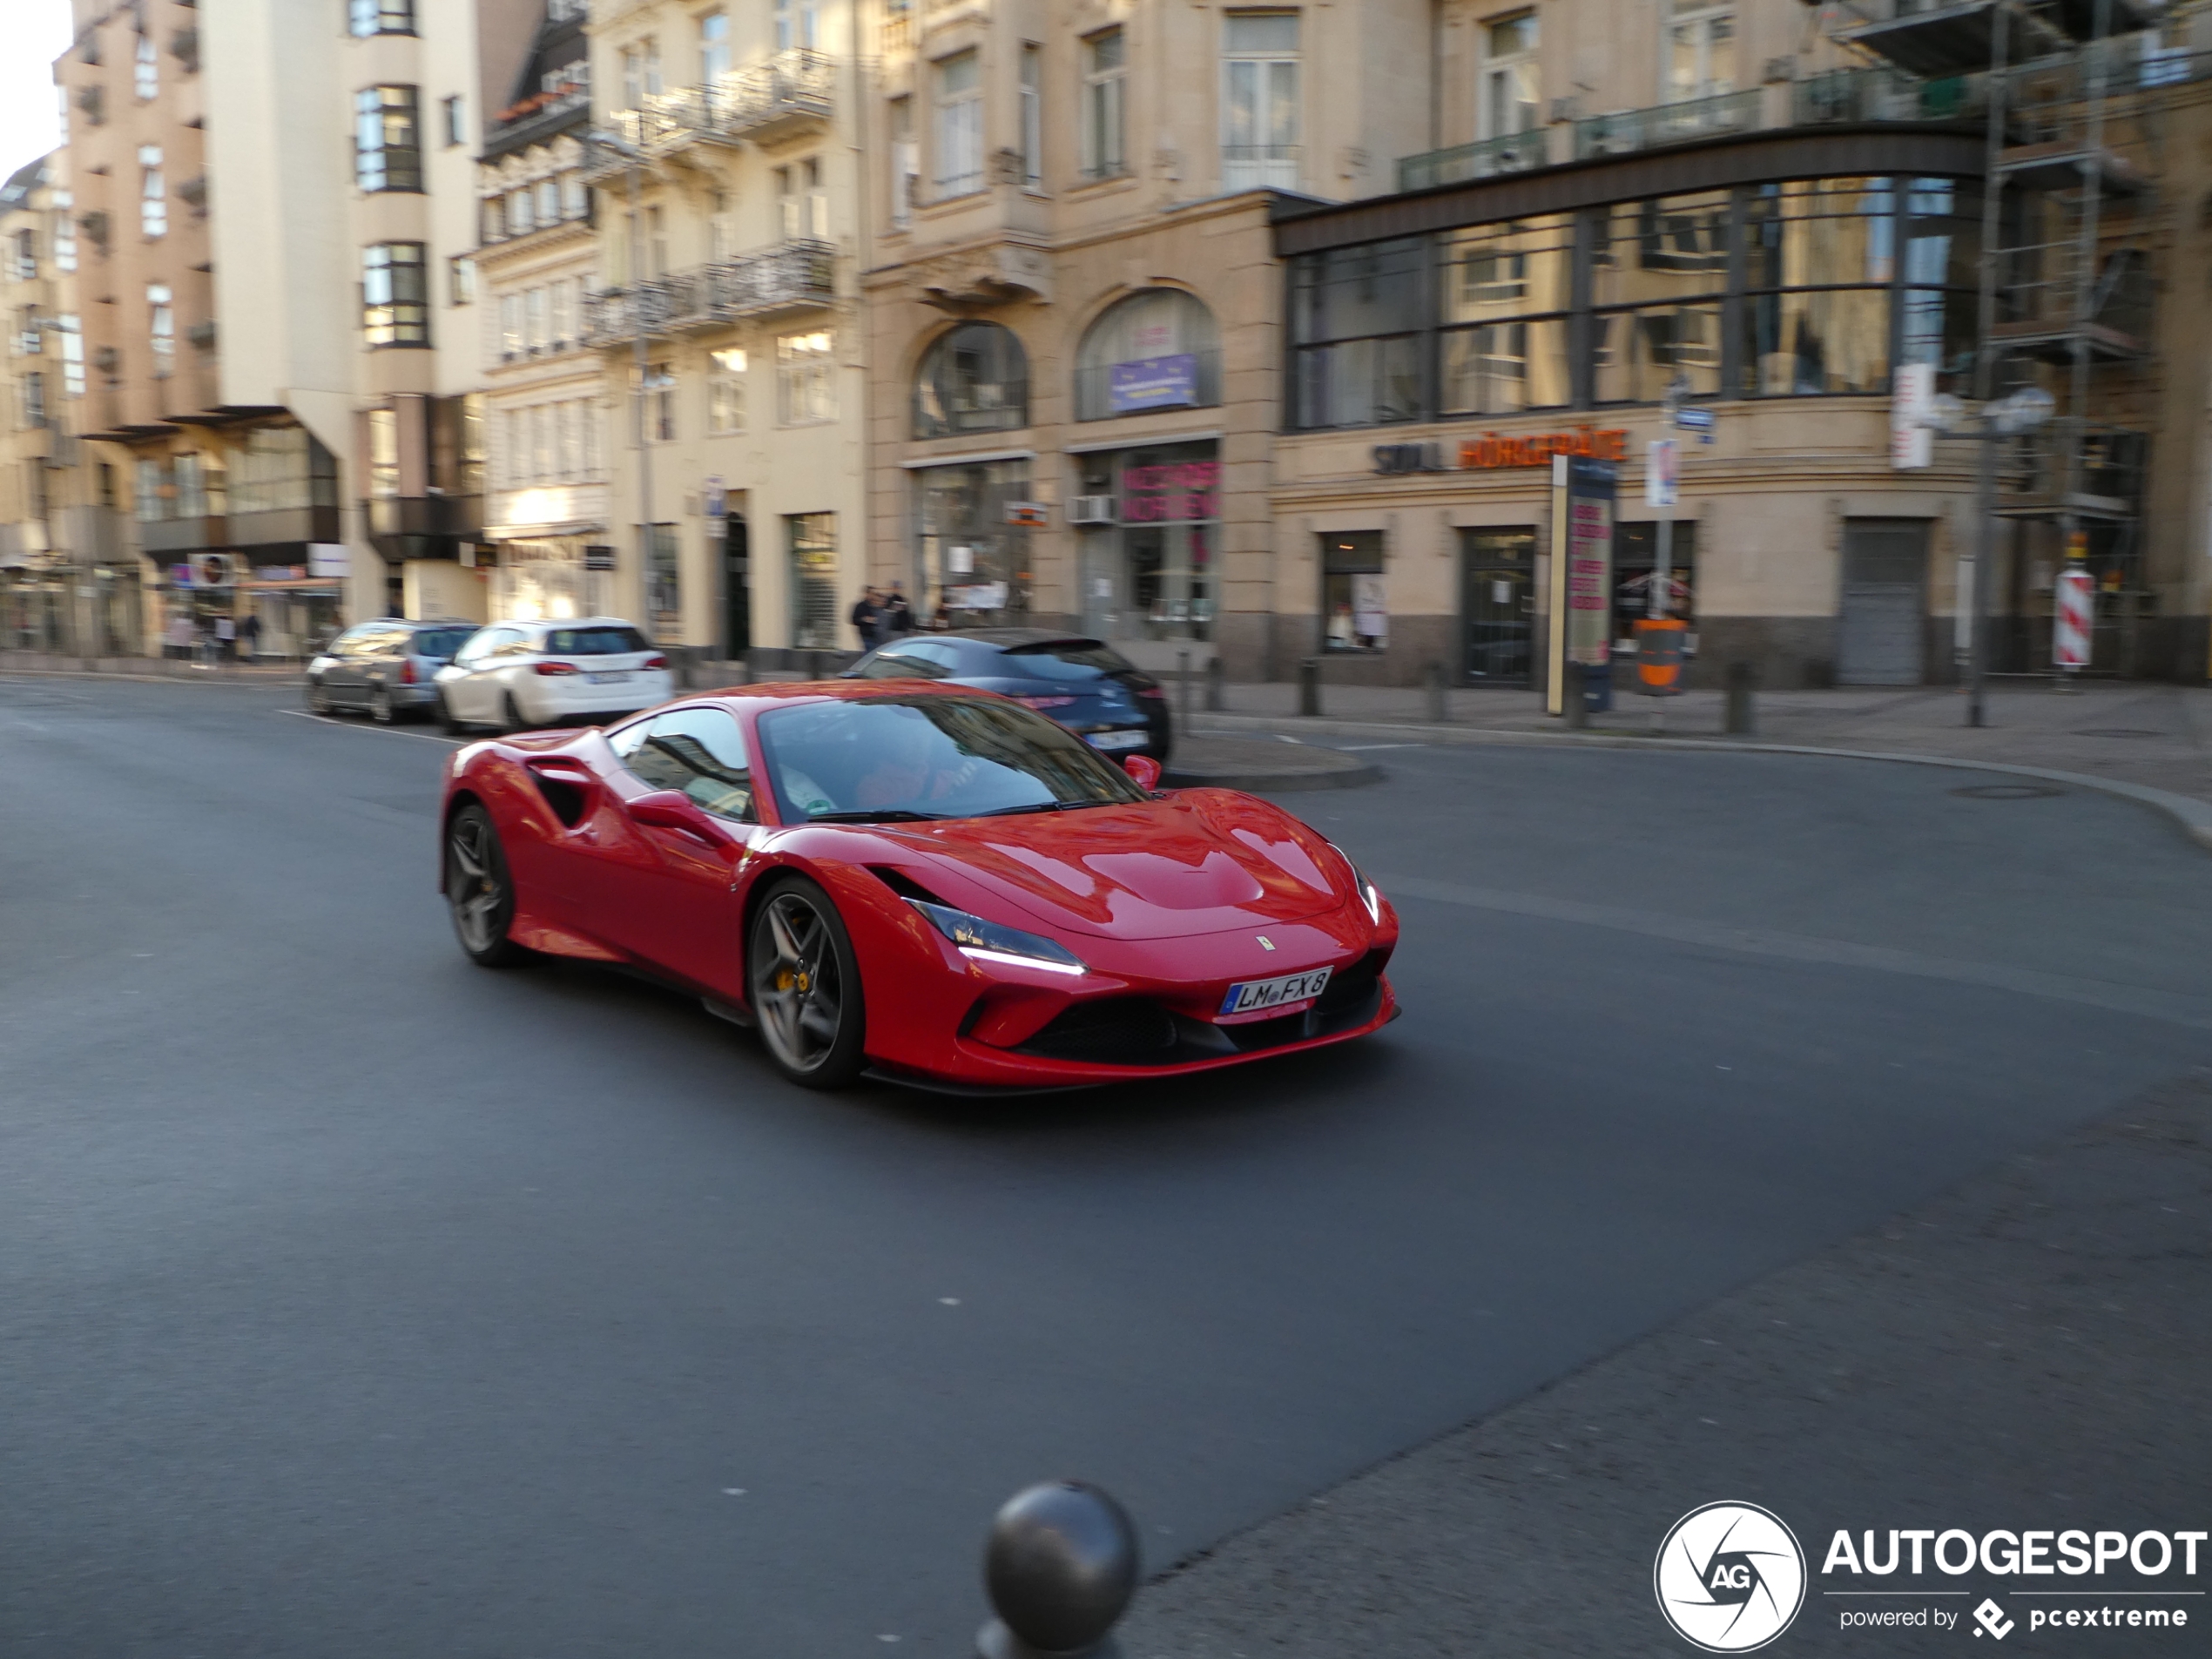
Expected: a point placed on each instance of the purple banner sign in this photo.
(1154, 383)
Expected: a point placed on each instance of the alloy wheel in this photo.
(798, 984)
(476, 883)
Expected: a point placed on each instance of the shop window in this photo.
(1355, 609)
(811, 541)
(1635, 564)
(974, 563)
(1158, 349)
(1154, 573)
(973, 378)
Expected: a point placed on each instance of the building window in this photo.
(1357, 321)
(1510, 97)
(802, 204)
(23, 261)
(146, 69)
(395, 308)
(380, 17)
(64, 232)
(1158, 349)
(660, 403)
(494, 218)
(161, 328)
(1259, 100)
(714, 47)
(973, 378)
(656, 242)
(805, 383)
(725, 393)
(641, 72)
(153, 193)
(1701, 50)
(387, 148)
(549, 201)
(1032, 116)
(906, 162)
(1668, 256)
(70, 332)
(812, 538)
(1354, 612)
(797, 22)
(460, 280)
(1804, 332)
(960, 125)
(34, 403)
(1505, 292)
(562, 323)
(534, 336)
(383, 453)
(576, 196)
(521, 212)
(510, 327)
(1104, 91)
(454, 120)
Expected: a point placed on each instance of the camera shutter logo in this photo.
(1730, 1577)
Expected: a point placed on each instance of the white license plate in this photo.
(608, 679)
(1256, 999)
(1119, 739)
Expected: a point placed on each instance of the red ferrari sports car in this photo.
(930, 884)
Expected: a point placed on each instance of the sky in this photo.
(37, 32)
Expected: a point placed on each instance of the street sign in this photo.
(1912, 394)
(2076, 610)
(1661, 473)
(326, 558)
(717, 500)
(1698, 419)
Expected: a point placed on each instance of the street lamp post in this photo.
(639, 354)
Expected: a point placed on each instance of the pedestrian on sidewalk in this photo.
(868, 618)
(178, 645)
(249, 637)
(897, 614)
(225, 639)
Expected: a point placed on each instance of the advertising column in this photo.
(1581, 572)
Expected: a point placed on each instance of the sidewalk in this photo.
(2132, 732)
(41, 662)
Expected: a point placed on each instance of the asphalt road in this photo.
(355, 1301)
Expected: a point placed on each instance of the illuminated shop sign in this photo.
(1170, 493)
(1491, 452)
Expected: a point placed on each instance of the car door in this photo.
(666, 893)
(382, 651)
(475, 696)
(345, 682)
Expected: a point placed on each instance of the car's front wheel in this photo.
(806, 985)
(480, 891)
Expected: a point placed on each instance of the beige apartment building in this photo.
(1182, 339)
(732, 233)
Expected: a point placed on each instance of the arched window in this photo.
(973, 378)
(1155, 350)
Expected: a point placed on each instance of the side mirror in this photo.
(1144, 769)
(672, 809)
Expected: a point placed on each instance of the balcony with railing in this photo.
(1855, 96)
(2059, 295)
(1465, 162)
(792, 91)
(2034, 470)
(1665, 123)
(792, 277)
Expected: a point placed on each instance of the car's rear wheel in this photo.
(480, 891)
(805, 987)
(512, 711)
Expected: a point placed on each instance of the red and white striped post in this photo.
(2074, 613)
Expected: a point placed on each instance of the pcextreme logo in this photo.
(1730, 1577)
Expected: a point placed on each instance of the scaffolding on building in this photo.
(2066, 90)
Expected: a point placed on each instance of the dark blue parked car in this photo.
(1082, 683)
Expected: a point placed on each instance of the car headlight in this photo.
(986, 941)
(1370, 895)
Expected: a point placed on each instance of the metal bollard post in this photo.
(1578, 699)
(1060, 1568)
(1182, 689)
(1216, 687)
(1740, 681)
(1433, 676)
(1309, 686)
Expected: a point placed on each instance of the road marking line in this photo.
(2170, 1006)
(349, 725)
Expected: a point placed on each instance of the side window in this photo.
(700, 751)
(480, 647)
(921, 660)
(513, 642)
(352, 642)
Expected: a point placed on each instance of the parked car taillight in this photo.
(558, 668)
(1152, 692)
(407, 672)
(1046, 701)
(656, 662)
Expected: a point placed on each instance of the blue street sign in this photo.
(1693, 418)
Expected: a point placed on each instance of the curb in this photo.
(2194, 816)
(212, 677)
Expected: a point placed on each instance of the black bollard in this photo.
(1182, 689)
(1216, 685)
(1060, 1568)
(1740, 682)
(1578, 698)
(1433, 677)
(1309, 686)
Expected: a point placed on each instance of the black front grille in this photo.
(1135, 1031)
(1118, 1031)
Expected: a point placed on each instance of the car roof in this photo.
(830, 690)
(1007, 638)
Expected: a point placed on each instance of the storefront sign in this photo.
(326, 558)
(1030, 514)
(1490, 450)
(1912, 409)
(1172, 492)
(1397, 458)
(1168, 382)
(1581, 575)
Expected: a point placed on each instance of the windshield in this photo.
(440, 642)
(593, 642)
(1066, 659)
(930, 757)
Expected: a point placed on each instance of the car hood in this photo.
(1203, 860)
